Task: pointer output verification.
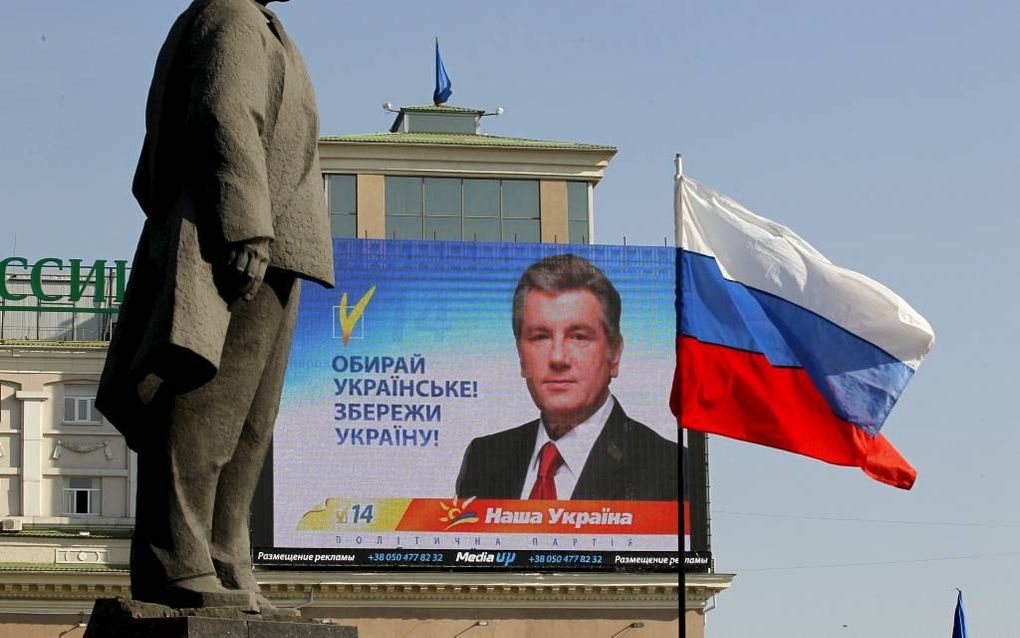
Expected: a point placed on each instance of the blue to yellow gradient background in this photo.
(449, 302)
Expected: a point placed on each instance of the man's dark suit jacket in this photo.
(629, 462)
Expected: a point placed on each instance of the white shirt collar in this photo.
(575, 445)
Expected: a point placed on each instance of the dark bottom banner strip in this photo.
(505, 560)
(697, 561)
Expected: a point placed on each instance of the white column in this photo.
(31, 451)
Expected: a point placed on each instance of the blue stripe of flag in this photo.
(860, 381)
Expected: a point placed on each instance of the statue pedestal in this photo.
(123, 618)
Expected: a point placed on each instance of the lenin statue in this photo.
(230, 184)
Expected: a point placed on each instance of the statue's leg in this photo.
(231, 550)
(148, 576)
(204, 427)
(167, 548)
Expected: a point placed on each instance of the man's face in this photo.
(566, 357)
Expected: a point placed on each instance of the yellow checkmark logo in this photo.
(348, 321)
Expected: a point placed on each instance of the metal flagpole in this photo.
(678, 202)
(697, 442)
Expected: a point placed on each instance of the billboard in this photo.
(418, 406)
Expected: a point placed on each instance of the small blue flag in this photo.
(443, 85)
(959, 622)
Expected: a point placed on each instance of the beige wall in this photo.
(553, 201)
(10, 408)
(10, 448)
(32, 486)
(115, 501)
(76, 551)
(509, 628)
(371, 206)
(694, 625)
(10, 445)
(25, 626)
(10, 496)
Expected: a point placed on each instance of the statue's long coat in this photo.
(230, 154)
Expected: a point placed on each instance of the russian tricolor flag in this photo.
(776, 345)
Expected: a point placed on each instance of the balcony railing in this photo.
(47, 305)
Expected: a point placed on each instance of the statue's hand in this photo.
(248, 260)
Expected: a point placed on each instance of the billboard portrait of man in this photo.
(566, 323)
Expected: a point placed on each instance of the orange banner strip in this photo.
(511, 516)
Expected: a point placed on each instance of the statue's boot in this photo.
(239, 576)
(267, 608)
(206, 591)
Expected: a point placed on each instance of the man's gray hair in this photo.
(562, 273)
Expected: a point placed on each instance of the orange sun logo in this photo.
(455, 514)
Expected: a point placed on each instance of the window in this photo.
(404, 208)
(462, 209)
(342, 202)
(443, 208)
(82, 496)
(520, 211)
(80, 404)
(577, 212)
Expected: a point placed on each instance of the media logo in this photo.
(455, 514)
(348, 321)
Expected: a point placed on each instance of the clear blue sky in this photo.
(884, 133)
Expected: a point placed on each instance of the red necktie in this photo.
(548, 462)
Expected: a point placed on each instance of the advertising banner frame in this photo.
(649, 333)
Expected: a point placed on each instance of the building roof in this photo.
(430, 108)
(430, 125)
(460, 139)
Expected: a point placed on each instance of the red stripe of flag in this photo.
(739, 394)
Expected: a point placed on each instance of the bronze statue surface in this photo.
(230, 184)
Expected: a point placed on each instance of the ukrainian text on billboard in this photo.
(414, 421)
